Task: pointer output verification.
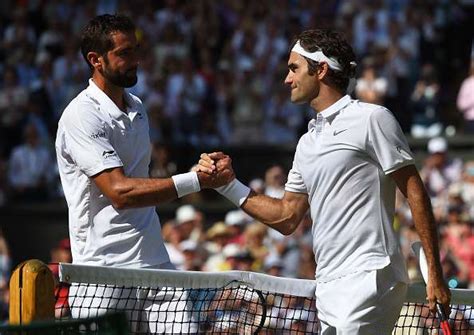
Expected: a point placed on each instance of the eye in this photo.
(292, 67)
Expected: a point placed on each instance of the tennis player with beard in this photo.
(345, 171)
(103, 151)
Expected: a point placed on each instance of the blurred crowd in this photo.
(212, 72)
(211, 75)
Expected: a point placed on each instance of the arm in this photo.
(410, 184)
(125, 192)
(283, 215)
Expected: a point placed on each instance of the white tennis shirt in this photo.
(95, 135)
(344, 170)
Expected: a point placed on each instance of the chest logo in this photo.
(98, 134)
(337, 132)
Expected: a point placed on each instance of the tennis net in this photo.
(234, 302)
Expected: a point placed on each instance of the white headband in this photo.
(317, 56)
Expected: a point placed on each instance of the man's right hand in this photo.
(214, 170)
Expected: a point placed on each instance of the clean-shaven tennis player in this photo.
(345, 171)
(103, 152)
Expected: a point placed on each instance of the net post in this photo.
(31, 293)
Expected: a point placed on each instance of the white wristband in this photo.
(235, 191)
(186, 183)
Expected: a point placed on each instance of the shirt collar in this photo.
(331, 110)
(103, 99)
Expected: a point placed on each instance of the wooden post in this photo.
(31, 293)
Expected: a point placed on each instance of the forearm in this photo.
(425, 225)
(272, 212)
(143, 192)
(283, 215)
(125, 192)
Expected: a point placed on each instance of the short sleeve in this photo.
(88, 143)
(295, 182)
(386, 143)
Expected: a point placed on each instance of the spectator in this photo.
(3, 182)
(13, 99)
(254, 236)
(19, 32)
(273, 266)
(61, 253)
(31, 168)
(371, 87)
(257, 185)
(5, 268)
(172, 238)
(218, 238)
(189, 222)
(161, 164)
(236, 220)
(465, 100)
(425, 104)
(237, 258)
(192, 256)
(282, 119)
(465, 187)
(460, 240)
(438, 170)
(275, 180)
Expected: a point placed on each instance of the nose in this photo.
(288, 79)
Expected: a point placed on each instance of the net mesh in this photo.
(160, 301)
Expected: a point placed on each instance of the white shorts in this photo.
(362, 303)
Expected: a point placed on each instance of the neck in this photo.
(114, 92)
(326, 97)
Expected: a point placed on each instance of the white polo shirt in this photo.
(344, 170)
(95, 135)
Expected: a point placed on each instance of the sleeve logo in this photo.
(108, 154)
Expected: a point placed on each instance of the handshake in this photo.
(214, 170)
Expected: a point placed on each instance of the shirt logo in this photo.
(337, 132)
(98, 134)
(109, 153)
(399, 149)
(140, 116)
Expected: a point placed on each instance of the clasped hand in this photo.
(214, 170)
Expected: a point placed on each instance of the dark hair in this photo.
(333, 45)
(96, 35)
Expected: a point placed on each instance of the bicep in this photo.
(108, 181)
(408, 181)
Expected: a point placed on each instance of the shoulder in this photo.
(372, 112)
(82, 107)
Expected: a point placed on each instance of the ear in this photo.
(323, 70)
(95, 60)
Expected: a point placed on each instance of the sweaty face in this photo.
(304, 87)
(120, 63)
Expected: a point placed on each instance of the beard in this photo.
(127, 79)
